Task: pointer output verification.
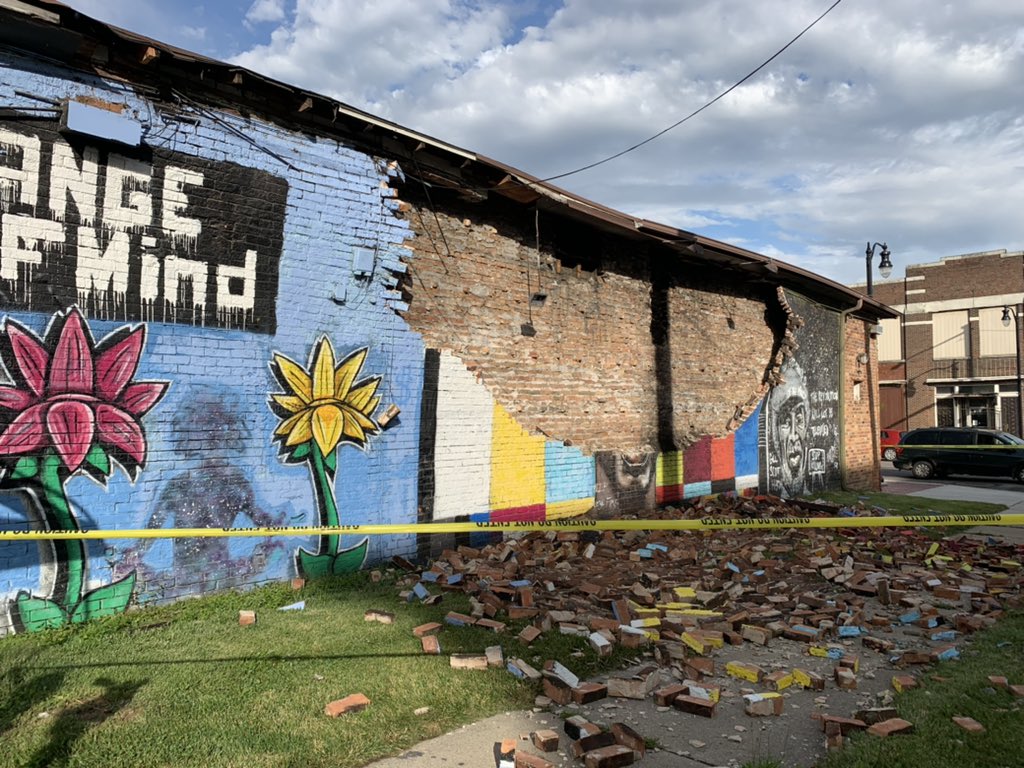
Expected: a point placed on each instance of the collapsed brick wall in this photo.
(600, 372)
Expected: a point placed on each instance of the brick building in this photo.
(231, 303)
(950, 360)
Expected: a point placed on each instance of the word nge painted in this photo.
(137, 235)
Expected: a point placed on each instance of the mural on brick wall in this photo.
(625, 484)
(147, 235)
(72, 408)
(801, 417)
(477, 461)
(323, 408)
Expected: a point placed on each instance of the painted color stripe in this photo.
(568, 473)
(462, 447)
(517, 464)
(561, 509)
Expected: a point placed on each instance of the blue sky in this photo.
(899, 122)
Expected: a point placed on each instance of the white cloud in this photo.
(265, 11)
(888, 121)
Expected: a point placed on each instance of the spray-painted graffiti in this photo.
(72, 407)
(155, 236)
(322, 408)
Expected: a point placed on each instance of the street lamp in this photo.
(884, 266)
(1007, 311)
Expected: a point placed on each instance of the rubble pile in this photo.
(810, 603)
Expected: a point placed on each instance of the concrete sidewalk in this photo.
(1013, 500)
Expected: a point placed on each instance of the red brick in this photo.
(627, 737)
(609, 757)
(890, 727)
(352, 703)
(585, 693)
(423, 630)
(694, 706)
(969, 724)
(527, 760)
(545, 741)
(246, 618)
(431, 644)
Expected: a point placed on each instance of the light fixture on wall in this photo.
(862, 358)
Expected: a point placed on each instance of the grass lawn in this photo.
(964, 691)
(898, 504)
(185, 685)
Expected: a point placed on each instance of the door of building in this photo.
(892, 406)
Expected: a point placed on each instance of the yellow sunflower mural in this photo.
(323, 407)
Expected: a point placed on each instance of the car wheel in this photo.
(923, 469)
(889, 454)
(1019, 474)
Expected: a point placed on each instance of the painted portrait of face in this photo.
(788, 420)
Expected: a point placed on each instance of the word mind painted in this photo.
(141, 234)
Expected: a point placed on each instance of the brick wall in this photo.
(598, 371)
(224, 246)
(861, 430)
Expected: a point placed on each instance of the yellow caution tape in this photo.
(703, 524)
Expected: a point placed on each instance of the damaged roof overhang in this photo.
(53, 30)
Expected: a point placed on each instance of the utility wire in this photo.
(696, 112)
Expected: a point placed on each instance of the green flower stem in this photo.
(326, 505)
(58, 516)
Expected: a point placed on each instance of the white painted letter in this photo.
(21, 184)
(98, 271)
(247, 274)
(126, 201)
(24, 241)
(175, 270)
(176, 202)
(66, 176)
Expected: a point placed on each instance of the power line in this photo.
(696, 112)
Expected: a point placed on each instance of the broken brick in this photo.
(467, 661)
(246, 618)
(891, 727)
(694, 706)
(545, 741)
(903, 683)
(627, 737)
(526, 760)
(352, 703)
(613, 756)
(969, 724)
(423, 630)
(763, 704)
(585, 693)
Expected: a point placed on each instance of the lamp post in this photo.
(1007, 312)
(884, 265)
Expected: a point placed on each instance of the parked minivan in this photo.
(940, 451)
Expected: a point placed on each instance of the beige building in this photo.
(951, 360)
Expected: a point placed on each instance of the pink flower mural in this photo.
(73, 407)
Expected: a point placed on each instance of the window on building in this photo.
(890, 343)
(949, 335)
(996, 339)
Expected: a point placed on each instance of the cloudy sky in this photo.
(891, 120)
